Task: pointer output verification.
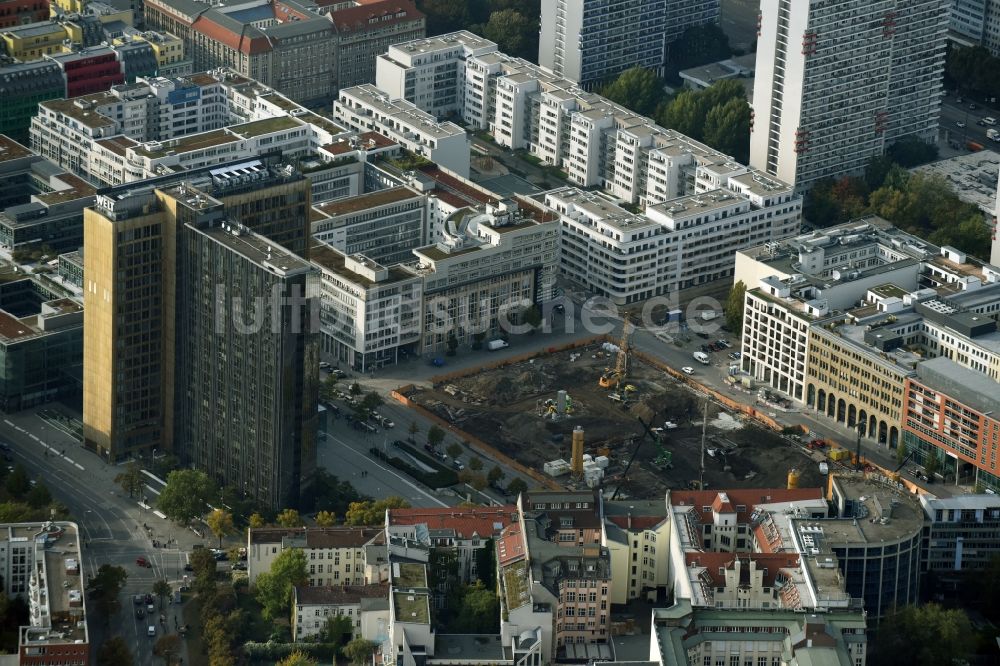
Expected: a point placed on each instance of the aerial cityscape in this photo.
(499, 332)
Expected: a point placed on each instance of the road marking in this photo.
(78, 466)
(34, 437)
(160, 514)
(10, 423)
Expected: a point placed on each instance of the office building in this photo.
(365, 108)
(634, 530)
(162, 335)
(41, 343)
(293, 46)
(41, 563)
(71, 268)
(23, 87)
(976, 23)
(370, 312)
(41, 206)
(814, 116)
(590, 42)
(840, 319)
(961, 533)
(265, 396)
(338, 555)
(972, 177)
(366, 606)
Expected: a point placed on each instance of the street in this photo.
(952, 113)
(111, 525)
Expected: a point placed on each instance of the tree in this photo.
(256, 521)
(130, 480)
(220, 522)
(413, 430)
(699, 45)
(477, 481)
(355, 389)
(203, 563)
(167, 646)
(475, 464)
(445, 15)
(18, 483)
(517, 486)
(532, 316)
(39, 496)
(298, 658)
(372, 401)
(515, 33)
(104, 587)
(901, 453)
(480, 610)
(328, 389)
(372, 513)
(359, 651)
(688, 113)
(233, 553)
(727, 129)
(185, 496)
(435, 435)
(326, 518)
(932, 465)
(638, 89)
(336, 629)
(161, 588)
(290, 518)
(495, 474)
(734, 307)
(454, 449)
(452, 344)
(114, 652)
(925, 635)
(274, 587)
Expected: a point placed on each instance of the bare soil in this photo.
(506, 407)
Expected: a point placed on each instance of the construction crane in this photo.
(663, 459)
(894, 475)
(612, 378)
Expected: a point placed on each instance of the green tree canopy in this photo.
(517, 486)
(638, 89)
(103, 589)
(298, 658)
(495, 474)
(274, 587)
(359, 651)
(290, 518)
(220, 522)
(372, 512)
(168, 646)
(734, 307)
(973, 69)
(161, 588)
(336, 630)
(727, 128)
(514, 33)
(185, 496)
(699, 45)
(480, 610)
(326, 518)
(926, 635)
(454, 449)
(114, 652)
(435, 435)
(130, 479)
(18, 482)
(39, 496)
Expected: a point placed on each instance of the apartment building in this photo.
(814, 116)
(976, 23)
(19, 12)
(490, 264)
(144, 330)
(841, 319)
(688, 241)
(160, 125)
(633, 531)
(590, 42)
(365, 108)
(335, 555)
(23, 87)
(171, 61)
(40, 204)
(366, 606)
(370, 312)
(297, 47)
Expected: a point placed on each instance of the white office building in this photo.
(365, 108)
(590, 41)
(836, 82)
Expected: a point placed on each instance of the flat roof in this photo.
(409, 575)
(12, 150)
(331, 259)
(369, 200)
(970, 387)
(265, 126)
(412, 607)
(972, 177)
(470, 647)
(82, 110)
(186, 144)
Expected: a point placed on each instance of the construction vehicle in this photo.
(612, 377)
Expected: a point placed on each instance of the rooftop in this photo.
(469, 647)
(331, 259)
(12, 150)
(361, 202)
(339, 595)
(515, 585)
(970, 387)
(484, 522)
(184, 144)
(339, 536)
(973, 177)
(265, 126)
(409, 575)
(82, 110)
(412, 607)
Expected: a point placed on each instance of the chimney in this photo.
(576, 464)
(630, 517)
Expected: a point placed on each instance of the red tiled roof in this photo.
(338, 148)
(479, 521)
(472, 195)
(380, 140)
(510, 547)
(747, 498)
(712, 562)
(236, 41)
(385, 12)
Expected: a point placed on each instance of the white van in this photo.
(151, 631)
(702, 357)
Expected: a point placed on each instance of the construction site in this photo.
(598, 416)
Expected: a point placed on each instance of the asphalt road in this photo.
(953, 113)
(110, 524)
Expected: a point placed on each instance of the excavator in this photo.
(613, 377)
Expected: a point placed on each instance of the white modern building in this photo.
(369, 312)
(837, 82)
(684, 242)
(976, 23)
(590, 41)
(365, 108)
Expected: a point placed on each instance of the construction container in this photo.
(556, 467)
(602, 461)
(793, 479)
(839, 454)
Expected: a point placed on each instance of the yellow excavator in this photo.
(613, 377)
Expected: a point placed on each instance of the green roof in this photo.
(413, 607)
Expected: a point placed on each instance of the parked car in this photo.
(141, 561)
(687, 370)
(137, 600)
(323, 365)
(151, 631)
(188, 567)
(959, 124)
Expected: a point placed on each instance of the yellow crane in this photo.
(613, 377)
